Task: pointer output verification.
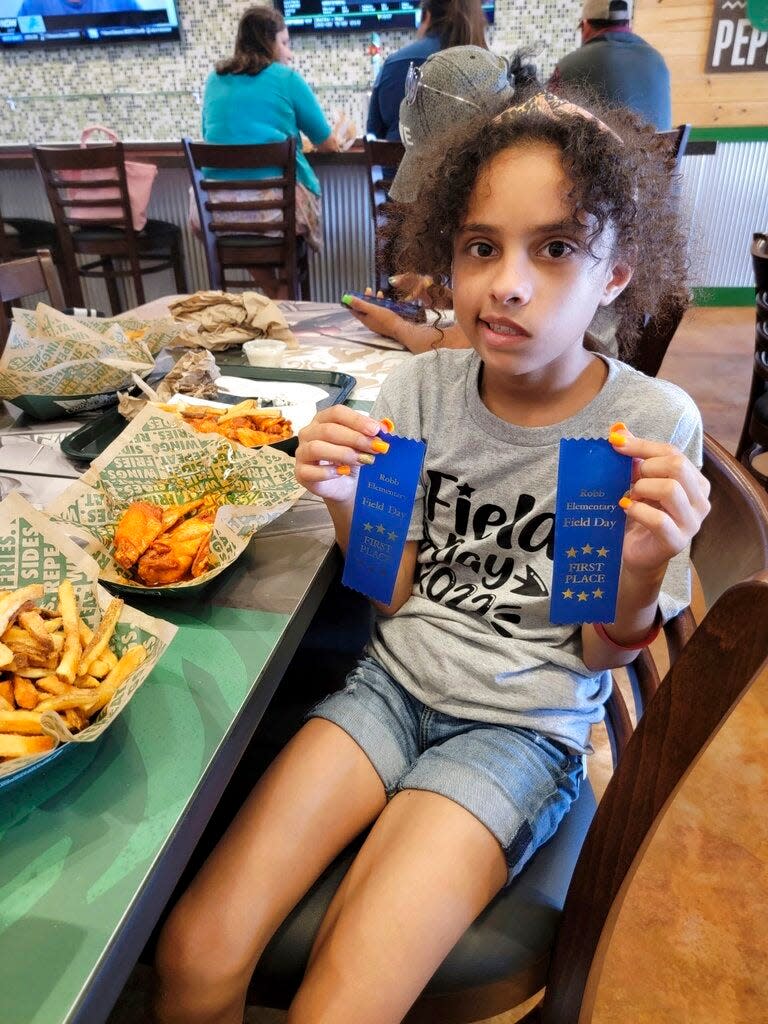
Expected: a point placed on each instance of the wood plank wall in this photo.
(680, 29)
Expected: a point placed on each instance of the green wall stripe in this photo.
(724, 296)
(744, 133)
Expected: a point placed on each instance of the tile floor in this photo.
(691, 940)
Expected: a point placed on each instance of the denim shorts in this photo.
(518, 783)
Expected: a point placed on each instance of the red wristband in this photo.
(648, 639)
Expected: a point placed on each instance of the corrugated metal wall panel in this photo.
(725, 196)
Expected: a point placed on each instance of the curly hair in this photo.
(622, 177)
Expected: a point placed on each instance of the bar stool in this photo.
(249, 223)
(109, 237)
(26, 236)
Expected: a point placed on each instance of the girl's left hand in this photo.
(668, 502)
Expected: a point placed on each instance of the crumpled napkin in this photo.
(225, 319)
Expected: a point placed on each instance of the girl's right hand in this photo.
(337, 438)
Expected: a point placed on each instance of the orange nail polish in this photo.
(388, 425)
(618, 426)
(382, 447)
(617, 439)
(625, 502)
(343, 470)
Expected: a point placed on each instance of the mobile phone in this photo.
(407, 310)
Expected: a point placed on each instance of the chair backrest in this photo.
(759, 383)
(656, 334)
(677, 141)
(30, 276)
(717, 665)
(382, 160)
(760, 260)
(264, 208)
(86, 186)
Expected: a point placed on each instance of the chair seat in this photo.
(513, 936)
(29, 233)
(156, 234)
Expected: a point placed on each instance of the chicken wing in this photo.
(140, 524)
(171, 556)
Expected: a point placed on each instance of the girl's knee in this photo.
(192, 953)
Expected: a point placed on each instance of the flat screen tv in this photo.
(356, 15)
(87, 22)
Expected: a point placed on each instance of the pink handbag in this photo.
(139, 177)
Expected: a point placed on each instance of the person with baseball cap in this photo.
(617, 65)
(443, 24)
(448, 90)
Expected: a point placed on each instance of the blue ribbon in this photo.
(381, 517)
(589, 531)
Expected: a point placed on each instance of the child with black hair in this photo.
(460, 735)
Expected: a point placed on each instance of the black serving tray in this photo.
(90, 440)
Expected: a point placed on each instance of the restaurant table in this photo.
(92, 846)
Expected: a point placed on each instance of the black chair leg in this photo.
(178, 270)
(111, 282)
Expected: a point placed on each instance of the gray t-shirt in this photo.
(474, 640)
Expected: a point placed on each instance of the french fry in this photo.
(53, 685)
(6, 655)
(129, 662)
(101, 637)
(73, 698)
(34, 625)
(26, 722)
(25, 694)
(21, 746)
(51, 661)
(70, 661)
(10, 604)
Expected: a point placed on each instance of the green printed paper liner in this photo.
(56, 365)
(35, 550)
(159, 458)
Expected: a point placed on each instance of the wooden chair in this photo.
(24, 277)
(382, 160)
(754, 433)
(270, 247)
(112, 237)
(550, 927)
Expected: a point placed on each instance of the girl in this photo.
(460, 735)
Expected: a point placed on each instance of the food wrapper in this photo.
(158, 458)
(35, 550)
(194, 374)
(225, 319)
(49, 353)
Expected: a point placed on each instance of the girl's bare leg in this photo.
(318, 794)
(425, 872)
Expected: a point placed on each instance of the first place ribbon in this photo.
(589, 531)
(381, 517)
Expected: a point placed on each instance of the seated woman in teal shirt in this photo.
(255, 97)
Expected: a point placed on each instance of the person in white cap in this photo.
(451, 88)
(621, 68)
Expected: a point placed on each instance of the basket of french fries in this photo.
(71, 656)
(165, 509)
(57, 365)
